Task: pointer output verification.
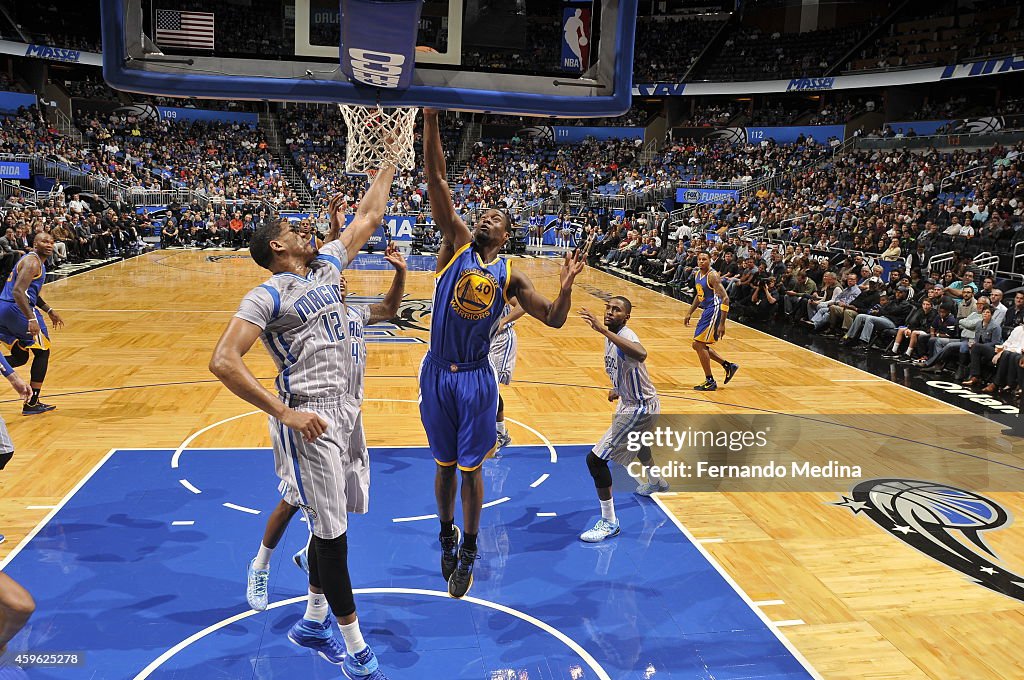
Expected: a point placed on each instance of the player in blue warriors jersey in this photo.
(21, 322)
(713, 301)
(458, 386)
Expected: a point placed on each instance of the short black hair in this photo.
(625, 302)
(259, 245)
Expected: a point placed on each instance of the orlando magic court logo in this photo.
(943, 522)
(474, 294)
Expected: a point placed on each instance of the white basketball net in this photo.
(378, 137)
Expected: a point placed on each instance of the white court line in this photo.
(67, 497)
(188, 485)
(540, 480)
(497, 502)
(710, 540)
(739, 591)
(768, 603)
(40, 507)
(789, 622)
(547, 514)
(413, 519)
(183, 522)
(547, 442)
(578, 649)
(191, 438)
(241, 508)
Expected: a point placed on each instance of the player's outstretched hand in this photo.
(613, 395)
(571, 266)
(309, 425)
(394, 257)
(55, 318)
(20, 386)
(587, 316)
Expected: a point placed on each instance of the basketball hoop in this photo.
(378, 137)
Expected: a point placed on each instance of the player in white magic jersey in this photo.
(359, 316)
(504, 347)
(625, 362)
(301, 317)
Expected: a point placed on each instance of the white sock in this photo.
(316, 607)
(263, 557)
(608, 509)
(353, 638)
(895, 348)
(501, 426)
(651, 477)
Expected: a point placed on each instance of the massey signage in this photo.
(810, 84)
(50, 53)
(914, 76)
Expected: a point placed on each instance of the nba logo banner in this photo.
(576, 38)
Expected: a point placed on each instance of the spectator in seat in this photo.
(917, 326)
(1007, 360)
(890, 315)
(170, 235)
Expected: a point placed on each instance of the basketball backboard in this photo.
(533, 57)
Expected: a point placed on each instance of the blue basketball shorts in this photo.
(14, 329)
(707, 325)
(458, 406)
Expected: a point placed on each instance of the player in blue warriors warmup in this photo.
(458, 386)
(713, 301)
(21, 324)
(315, 426)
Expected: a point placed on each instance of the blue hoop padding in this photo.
(119, 76)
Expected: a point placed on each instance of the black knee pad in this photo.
(599, 471)
(5, 458)
(332, 562)
(40, 362)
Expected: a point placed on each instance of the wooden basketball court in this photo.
(130, 371)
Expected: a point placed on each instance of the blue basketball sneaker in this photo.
(362, 666)
(604, 529)
(301, 560)
(256, 587)
(320, 638)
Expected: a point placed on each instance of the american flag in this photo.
(191, 30)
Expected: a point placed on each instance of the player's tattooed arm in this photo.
(552, 312)
(388, 308)
(227, 364)
(28, 269)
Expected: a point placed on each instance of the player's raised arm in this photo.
(388, 308)
(227, 364)
(454, 232)
(370, 213)
(551, 312)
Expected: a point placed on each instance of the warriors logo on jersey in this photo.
(474, 294)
